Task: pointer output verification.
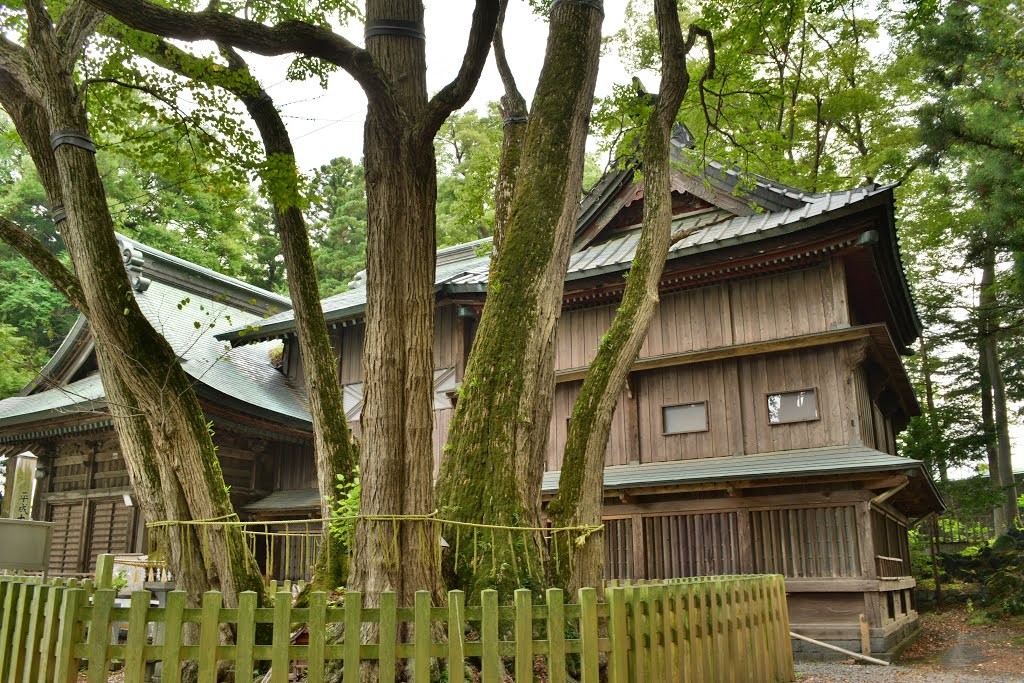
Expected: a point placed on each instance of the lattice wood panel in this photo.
(702, 544)
(618, 549)
(111, 527)
(66, 545)
(807, 542)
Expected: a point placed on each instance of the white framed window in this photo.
(684, 418)
(793, 406)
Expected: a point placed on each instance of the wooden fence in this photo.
(731, 628)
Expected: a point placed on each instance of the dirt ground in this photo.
(955, 646)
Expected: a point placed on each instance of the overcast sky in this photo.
(329, 123)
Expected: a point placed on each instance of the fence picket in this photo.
(618, 663)
(171, 656)
(135, 659)
(317, 631)
(11, 639)
(7, 591)
(353, 634)
(245, 635)
(556, 636)
(33, 635)
(69, 634)
(279, 662)
(524, 635)
(99, 635)
(388, 635)
(588, 635)
(17, 658)
(489, 636)
(51, 624)
(456, 635)
(423, 637)
(209, 636)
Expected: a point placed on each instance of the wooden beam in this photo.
(732, 351)
(92, 494)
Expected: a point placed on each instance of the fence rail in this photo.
(732, 628)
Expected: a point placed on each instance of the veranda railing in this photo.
(711, 629)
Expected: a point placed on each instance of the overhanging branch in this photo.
(43, 260)
(296, 37)
(457, 93)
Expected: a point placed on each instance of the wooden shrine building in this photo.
(757, 432)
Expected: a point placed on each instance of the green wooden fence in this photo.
(730, 628)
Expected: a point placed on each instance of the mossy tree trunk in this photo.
(514, 114)
(396, 458)
(581, 490)
(167, 446)
(499, 430)
(335, 452)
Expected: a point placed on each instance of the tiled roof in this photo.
(803, 462)
(461, 268)
(188, 321)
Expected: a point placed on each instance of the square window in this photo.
(792, 406)
(686, 418)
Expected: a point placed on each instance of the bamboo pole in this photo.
(828, 646)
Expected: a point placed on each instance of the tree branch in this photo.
(43, 260)
(74, 28)
(512, 102)
(287, 37)
(456, 94)
(15, 61)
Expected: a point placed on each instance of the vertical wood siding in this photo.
(619, 449)
(806, 542)
(736, 312)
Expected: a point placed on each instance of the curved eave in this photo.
(220, 399)
(76, 339)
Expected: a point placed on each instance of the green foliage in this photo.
(20, 360)
(337, 223)
(468, 148)
(344, 509)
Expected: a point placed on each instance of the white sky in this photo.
(329, 123)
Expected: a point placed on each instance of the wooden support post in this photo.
(865, 636)
(104, 571)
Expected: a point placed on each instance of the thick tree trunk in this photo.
(335, 452)
(1002, 474)
(130, 351)
(502, 417)
(581, 489)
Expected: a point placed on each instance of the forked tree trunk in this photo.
(396, 458)
(335, 452)
(495, 452)
(581, 488)
(142, 368)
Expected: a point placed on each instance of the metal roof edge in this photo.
(180, 265)
(59, 357)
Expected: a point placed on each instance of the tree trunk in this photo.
(514, 115)
(938, 459)
(581, 488)
(138, 363)
(335, 452)
(1002, 475)
(501, 420)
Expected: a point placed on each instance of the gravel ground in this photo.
(854, 673)
(951, 649)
